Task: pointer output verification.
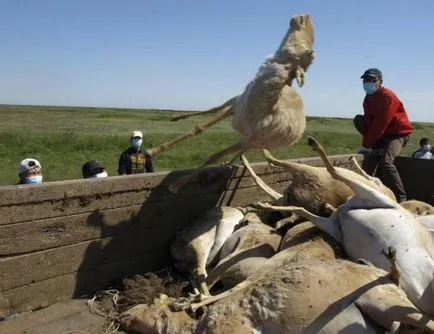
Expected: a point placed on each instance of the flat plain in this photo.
(63, 138)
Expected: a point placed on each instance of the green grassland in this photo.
(63, 138)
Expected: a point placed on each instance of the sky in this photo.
(196, 54)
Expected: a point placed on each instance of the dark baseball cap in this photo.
(91, 168)
(373, 73)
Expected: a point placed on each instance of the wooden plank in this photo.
(416, 175)
(84, 283)
(54, 319)
(21, 270)
(21, 194)
(66, 190)
(212, 180)
(43, 234)
(64, 206)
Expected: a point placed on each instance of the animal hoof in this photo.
(390, 252)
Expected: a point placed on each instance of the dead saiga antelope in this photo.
(199, 243)
(311, 187)
(269, 113)
(313, 296)
(369, 223)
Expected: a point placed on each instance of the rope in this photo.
(95, 308)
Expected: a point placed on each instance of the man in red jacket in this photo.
(385, 128)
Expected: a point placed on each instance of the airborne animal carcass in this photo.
(269, 113)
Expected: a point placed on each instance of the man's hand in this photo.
(363, 150)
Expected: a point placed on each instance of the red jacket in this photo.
(385, 115)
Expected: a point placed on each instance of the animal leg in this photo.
(241, 286)
(273, 161)
(175, 186)
(220, 270)
(209, 111)
(230, 162)
(361, 190)
(198, 129)
(359, 169)
(286, 221)
(327, 209)
(356, 165)
(272, 193)
(390, 254)
(329, 225)
(200, 278)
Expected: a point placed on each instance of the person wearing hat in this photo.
(135, 159)
(29, 171)
(93, 168)
(385, 128)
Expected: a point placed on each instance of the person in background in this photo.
(135, 160)
(30, 171)
(424, 151)
(385, 128)
(93, 168)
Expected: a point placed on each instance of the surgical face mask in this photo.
(103, 174)
(137, 143)
(369, 87)
(426, 147)
(33, 179)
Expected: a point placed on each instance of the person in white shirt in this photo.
(424, 151)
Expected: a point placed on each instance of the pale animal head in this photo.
(156, 317)
(296, 49)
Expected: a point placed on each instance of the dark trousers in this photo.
(381, 161)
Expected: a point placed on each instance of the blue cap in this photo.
(373, 73)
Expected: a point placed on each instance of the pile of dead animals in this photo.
(366, 268)
(352, 260)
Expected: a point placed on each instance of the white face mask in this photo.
(137, 143)
(426, 147)
(103, 174)
(33, 179)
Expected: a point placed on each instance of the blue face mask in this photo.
(33, 179)
(369, 88)
(137, 143)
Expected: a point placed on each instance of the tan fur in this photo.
(311, 297)
(305, 241)
(157, 318)
(269, 113)
(295, 296)
(244, 252)
(310, 187)
(369, 223)
(199, 243)
(418, 208)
